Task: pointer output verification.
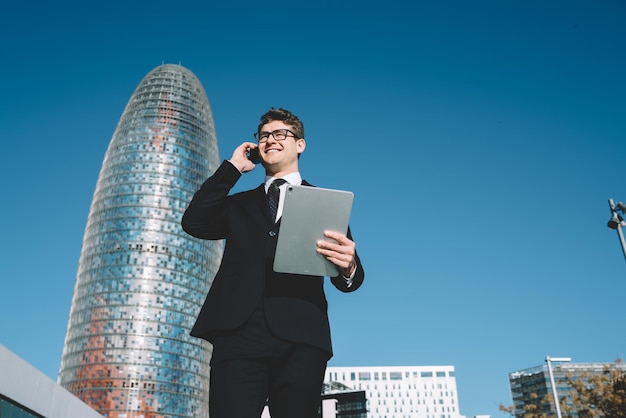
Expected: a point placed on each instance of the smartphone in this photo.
(253, 155)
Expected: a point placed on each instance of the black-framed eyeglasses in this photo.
(278, 134)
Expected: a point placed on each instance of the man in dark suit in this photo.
(270, 331)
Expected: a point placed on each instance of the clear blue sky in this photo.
(495, 130)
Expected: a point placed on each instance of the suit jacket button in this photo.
(272, 233)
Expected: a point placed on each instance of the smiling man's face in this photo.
(280, 157)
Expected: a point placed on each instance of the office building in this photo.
(402, 392)
(141, 280)
(533, 387)
(339, 401)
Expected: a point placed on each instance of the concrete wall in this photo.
(23, 384)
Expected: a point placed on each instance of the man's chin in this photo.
(271, 160)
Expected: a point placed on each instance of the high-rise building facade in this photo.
(141, 280)
(533, 386)
(402, 392)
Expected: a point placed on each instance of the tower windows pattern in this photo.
(141, 280)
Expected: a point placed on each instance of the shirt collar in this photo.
(291, 178)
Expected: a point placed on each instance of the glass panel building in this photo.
(339, 401)
(141, 280)
(532, 387)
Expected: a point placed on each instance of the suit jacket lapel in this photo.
(260, 200)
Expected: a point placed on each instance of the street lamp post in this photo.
(549, 360)
(617, 221)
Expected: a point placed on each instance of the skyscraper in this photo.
(141, 280)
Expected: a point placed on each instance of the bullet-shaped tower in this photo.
(141, 280)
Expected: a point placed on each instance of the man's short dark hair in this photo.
(285, 117)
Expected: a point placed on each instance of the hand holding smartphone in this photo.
(253, 155)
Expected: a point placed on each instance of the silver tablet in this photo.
(307, 213)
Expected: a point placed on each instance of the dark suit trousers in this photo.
(251, 365)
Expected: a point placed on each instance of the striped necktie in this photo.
(273, 195)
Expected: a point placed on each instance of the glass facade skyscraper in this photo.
(141, 280)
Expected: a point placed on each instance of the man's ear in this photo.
(301, 145)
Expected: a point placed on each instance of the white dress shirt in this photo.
(291, 178)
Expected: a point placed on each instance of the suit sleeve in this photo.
(207, 214)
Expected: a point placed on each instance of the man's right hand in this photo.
(240, 157)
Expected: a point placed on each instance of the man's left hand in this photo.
(340, 253)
